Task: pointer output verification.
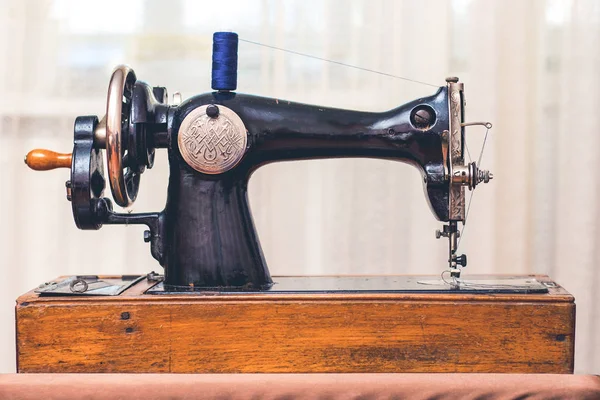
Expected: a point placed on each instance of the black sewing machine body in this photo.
(210, 236)
(205, 236)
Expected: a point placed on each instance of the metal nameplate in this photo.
(212, 145)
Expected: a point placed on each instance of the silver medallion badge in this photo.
(212, 145)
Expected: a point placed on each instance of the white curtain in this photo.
(532, 68)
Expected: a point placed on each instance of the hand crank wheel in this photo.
(124, 186)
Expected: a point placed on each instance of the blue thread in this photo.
(224, 65)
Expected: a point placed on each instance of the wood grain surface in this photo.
(297, 333)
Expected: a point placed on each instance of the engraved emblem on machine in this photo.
(212, 139)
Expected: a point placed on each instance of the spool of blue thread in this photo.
(224, 61)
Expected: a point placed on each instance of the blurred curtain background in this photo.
(530, 67)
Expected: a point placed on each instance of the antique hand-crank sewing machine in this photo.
(218, 308)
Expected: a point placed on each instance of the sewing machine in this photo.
(205, 237)
(206, 241)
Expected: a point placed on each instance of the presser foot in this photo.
(455, 262)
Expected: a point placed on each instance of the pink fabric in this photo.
(297, 386)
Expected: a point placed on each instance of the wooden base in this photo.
(378, 332)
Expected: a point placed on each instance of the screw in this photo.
(147, 236)
(102, 207)
(461, 260)
(154, 277)
(68, 186)
(78, 286)
(422, 118)
(212, 111)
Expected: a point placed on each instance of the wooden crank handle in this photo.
(44, 160)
